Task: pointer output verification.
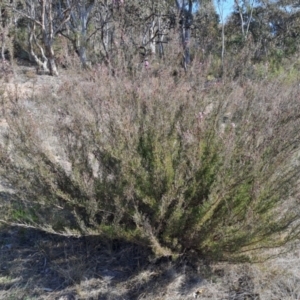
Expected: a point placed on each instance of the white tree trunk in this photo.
(152, 45)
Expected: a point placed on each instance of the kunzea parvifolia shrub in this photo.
(177, 166)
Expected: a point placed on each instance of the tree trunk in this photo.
(50, 56)
(152, 37)
(83, 38)
(186, 46)
(52, 67)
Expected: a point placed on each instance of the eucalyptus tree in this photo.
(105, 24)
(121, 28)
(283, 17)
(160, 16)
(7, 22)
(185, 7)
(44, 21)
(132, 27)
(273, 26)
(158, 22)
(245, 12)
(77, 26)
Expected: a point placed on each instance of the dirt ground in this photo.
(36, 265)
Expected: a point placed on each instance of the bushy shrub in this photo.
(179, 166)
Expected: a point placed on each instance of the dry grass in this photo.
(35, 265)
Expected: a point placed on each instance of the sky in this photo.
(224, 8)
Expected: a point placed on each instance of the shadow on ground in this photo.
(37, 265)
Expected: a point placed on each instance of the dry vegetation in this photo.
(35, 265)
(147, 186)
